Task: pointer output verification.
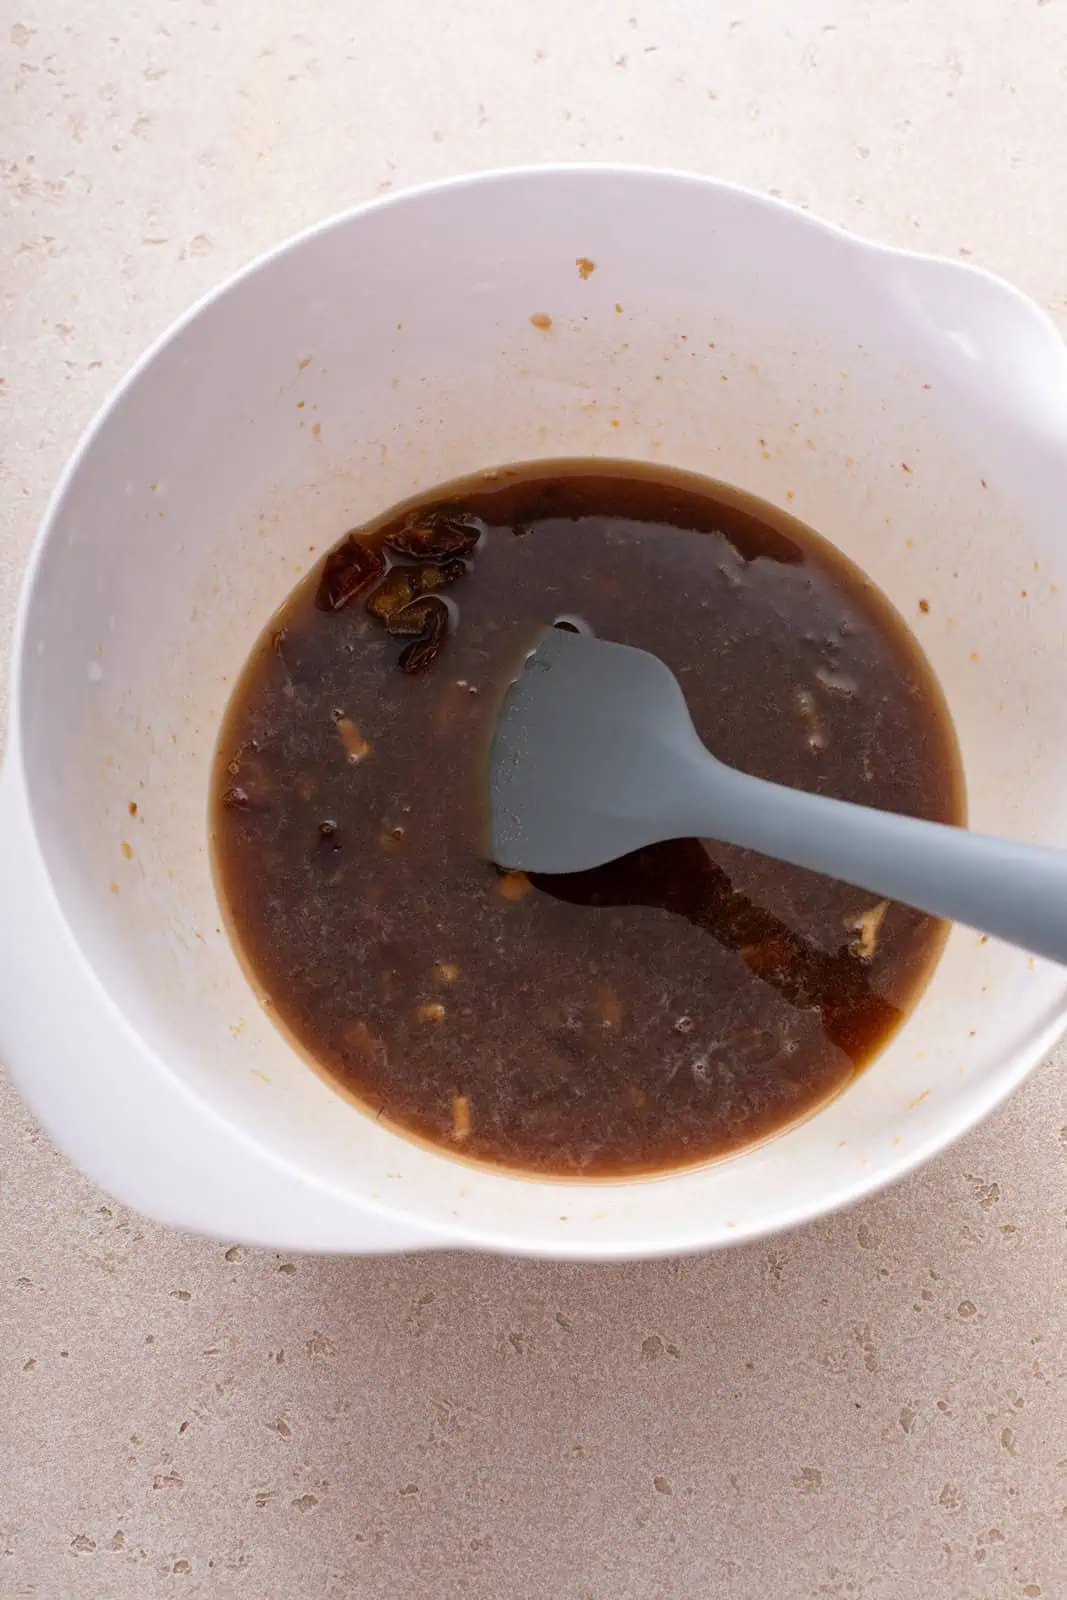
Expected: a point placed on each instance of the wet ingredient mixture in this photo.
(653, 1013)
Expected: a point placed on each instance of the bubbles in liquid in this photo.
(813, 725)
(837, 682)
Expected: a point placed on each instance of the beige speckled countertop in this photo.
(872, 1408)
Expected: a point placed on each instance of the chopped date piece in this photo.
(436, 535)
(461, 1117)
(355, 745)
(423, 652)
(420, 656)
(414, 619)
(396, 590)
(448, 571)
(402, 585)
(349, 569)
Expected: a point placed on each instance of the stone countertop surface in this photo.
(873, 1407)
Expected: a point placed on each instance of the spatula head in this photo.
(582, 752)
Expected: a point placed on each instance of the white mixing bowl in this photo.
(912, 410)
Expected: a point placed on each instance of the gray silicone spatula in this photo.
(595, 755)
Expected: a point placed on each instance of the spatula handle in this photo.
(1014, 891)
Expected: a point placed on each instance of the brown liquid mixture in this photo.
(668, 1008)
